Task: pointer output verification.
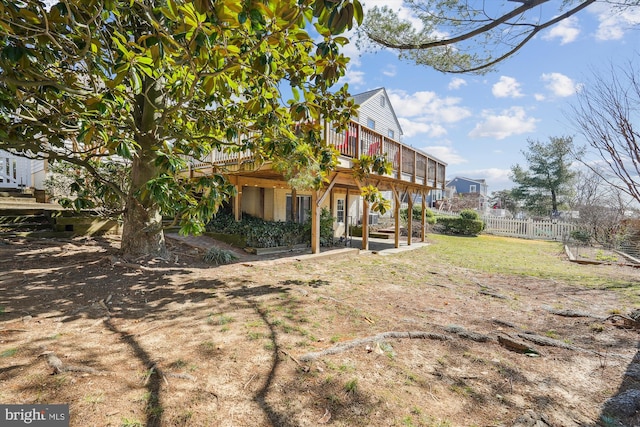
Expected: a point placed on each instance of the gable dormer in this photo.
(376, 112)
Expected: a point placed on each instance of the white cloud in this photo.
(457, 83)
(559, 84)
(427, 106)
(513, 121)
(539, 97)
(566, 30)
(353, 77)
(412, 128)
(425, 112)
(614, 22)
(445, 153)
(390, 70)
(507, 87)
(403, 12)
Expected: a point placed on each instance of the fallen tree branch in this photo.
(379, 337)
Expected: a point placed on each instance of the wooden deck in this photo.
(409, 165)
(414, 173)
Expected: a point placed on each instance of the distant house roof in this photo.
(478, 180)
(364, 97)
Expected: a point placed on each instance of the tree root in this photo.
(627, 322)
(572, 313)
(339, 348)
(517, 346)
(503, 339)
(463, 333)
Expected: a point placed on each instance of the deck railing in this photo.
(408, 163)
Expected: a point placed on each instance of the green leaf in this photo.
(123, 150)
(136, 81)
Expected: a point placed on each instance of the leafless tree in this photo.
(607, 114)
(603, 209)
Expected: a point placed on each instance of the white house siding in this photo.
(251, 200)
(269, 195)
(38, 174)
(383, 116)
(15, 172)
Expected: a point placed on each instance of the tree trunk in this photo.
(142, 227)
(142, 233)
(142, 230)
(554, 203)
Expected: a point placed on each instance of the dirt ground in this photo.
(341, 339)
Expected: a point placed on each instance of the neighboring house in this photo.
(472, 190)
(20, 173)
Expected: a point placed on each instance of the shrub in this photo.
(219, 256)
(326, 228)
(467, 224)
(469, 214)
(417, 214)
(581, 236)
(355, 230)
(258, 233)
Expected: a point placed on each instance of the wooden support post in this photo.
(424, 217)
(317, 199)
(409, 217)
(315, 223)
(365, 225)
(346, 217)
(396, 214)
(237, 204)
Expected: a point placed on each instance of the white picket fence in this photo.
(528, 228)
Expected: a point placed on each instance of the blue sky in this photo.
(479, 125)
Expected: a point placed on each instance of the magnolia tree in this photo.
(152, 84)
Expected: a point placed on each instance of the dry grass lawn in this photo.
(313, 341)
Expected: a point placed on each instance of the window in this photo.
(373, 218)
(371, 123)
(472, 188)
(382, 101)
(303, 203)
(391, 134)
(340, 210)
